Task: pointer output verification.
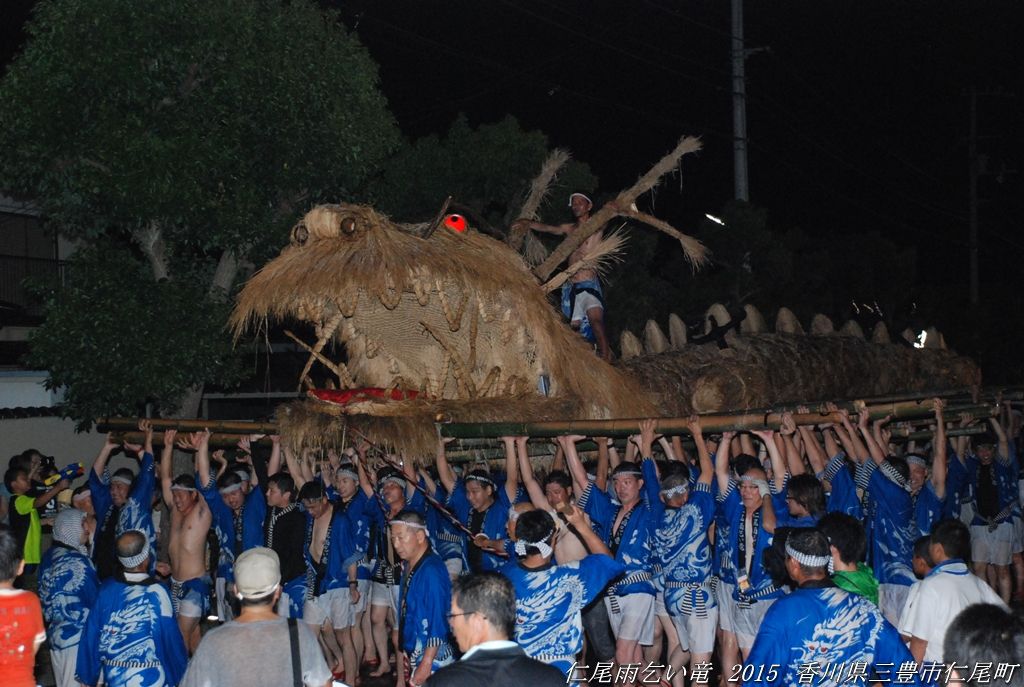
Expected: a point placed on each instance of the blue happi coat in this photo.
(893, 528)
(424, 600)
(682, 554)
(254, 510)
(634, 549)
(495, 519)
(730, 508)
(131, 637)
(549, 601)
(824, 633)
(137, 512)
(68, 588)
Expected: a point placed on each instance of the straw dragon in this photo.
(459, 317)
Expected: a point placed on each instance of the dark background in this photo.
(858, 115)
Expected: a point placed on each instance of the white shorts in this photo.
(747, 621)
(64, 662)
(584, 302)
(454, 566)
(382, 594)
(659, 604)
(635, 619)
(726, 605)
(344, 613)
(992, 547)
(891, 600)
(697, 635)
(319, 609)
(224, 612)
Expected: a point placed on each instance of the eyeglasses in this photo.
(456, 615)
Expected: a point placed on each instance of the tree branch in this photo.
(223, 276)
(575, 239)
(151, 241)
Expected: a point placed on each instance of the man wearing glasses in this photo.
(483, 617)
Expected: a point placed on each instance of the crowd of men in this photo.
(816, 555)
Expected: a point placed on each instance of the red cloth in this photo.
(21, 630)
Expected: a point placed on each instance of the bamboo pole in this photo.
(901, 433)
(128, 424)
(216, 440)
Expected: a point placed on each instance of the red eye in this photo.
(456, 223)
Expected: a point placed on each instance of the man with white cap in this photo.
(823, 635)
(131, 636)
(68, 587)
(190, 523)
(582, 298)
(247, 652)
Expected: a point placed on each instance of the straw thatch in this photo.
(762, 370)
(455, 316)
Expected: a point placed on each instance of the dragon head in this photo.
(453, 314)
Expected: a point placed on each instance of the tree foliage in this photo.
(488, 168)
(154, 344)
(190, 134)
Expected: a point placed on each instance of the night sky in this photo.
(858, 116)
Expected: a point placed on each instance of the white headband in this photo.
(581, 195)
(182, 487)
(481, 479)
(392, 478)
(122, 479)
(84, 494)
(414, 525)
(136, 560)
(916, 460)
(345, 471)
(809, 560)
(675, 491)
(543, 547)
(229, 490)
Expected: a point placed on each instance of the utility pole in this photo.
(739, 105)
(972, 161)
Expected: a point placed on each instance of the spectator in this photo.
(236, 654)
(25, 523)
(949, 588)
(483, 615)
(985, 634)
(21, 618)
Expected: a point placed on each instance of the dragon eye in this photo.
(456, 223)
(300, 234)
(348, 225)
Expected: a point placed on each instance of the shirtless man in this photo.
(190, 523)
(582, 299)
(326, 539)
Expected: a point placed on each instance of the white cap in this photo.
(257, 573)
